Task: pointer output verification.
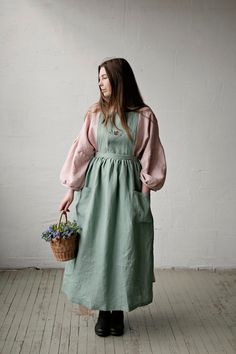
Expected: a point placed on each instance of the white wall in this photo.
(183, 54)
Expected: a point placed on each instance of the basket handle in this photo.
(59, 223)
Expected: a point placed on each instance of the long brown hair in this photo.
(125, 94)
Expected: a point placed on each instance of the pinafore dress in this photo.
(113, 269)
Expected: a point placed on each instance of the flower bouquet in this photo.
(63, 238)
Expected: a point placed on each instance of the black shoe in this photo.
(117, 323)
(102, 327)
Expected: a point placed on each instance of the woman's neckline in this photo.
(138, 110)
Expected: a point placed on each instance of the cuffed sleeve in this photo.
(152, 155)
(72, 174)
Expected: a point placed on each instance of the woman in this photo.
(114, 162)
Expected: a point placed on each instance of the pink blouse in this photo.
(148, 148)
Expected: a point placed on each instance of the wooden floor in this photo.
(192, 312)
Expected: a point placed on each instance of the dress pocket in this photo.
(83, 205)
(141, 207)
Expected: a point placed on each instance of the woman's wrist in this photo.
(70, 191)
(145, 189)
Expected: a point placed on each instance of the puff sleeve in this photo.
(72, 174)
(152, 154)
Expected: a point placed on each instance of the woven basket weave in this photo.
(64, 249)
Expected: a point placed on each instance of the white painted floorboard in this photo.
(193, 311)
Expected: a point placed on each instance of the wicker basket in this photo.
(64, 249)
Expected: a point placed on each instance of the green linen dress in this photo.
(113, 269)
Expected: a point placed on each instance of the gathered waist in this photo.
(114, 155)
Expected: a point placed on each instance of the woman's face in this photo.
(104, 83)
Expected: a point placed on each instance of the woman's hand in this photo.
(67, 200)
(145, 189)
